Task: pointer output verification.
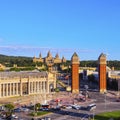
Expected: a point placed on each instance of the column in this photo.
(28, 86)
(31, 87)
(35, 87)
(38, 87)
(47, 88)
(16, 88)
(3, 90)
(21, 87)
(10, 89)
(41, 89)
(44, 87)
(6, 89)
(0, 89)
(13, 88)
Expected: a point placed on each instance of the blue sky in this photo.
(88, 27)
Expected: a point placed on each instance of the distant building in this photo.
(2, 67)
(114, 74)
(49, 60)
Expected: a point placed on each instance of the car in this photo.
(91, 107)
(46, 109)
(24, 109)
(68, 107)
(17, 110)
(47, 118)
(83, 108)
(14, 116)
(77, 107)
(3, 116)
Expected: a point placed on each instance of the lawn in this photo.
(107, 115)
(39, 113)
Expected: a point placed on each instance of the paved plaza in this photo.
(104, 102)
(64, 97)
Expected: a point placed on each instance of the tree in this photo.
(9, 108)
(37, 106)
(57, 90)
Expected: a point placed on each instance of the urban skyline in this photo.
(87, 27)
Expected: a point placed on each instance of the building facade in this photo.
(75, 73)
(49, 60)
(26, 83)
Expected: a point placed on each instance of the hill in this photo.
(21, 61)
(9, 61)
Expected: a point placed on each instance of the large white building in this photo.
(26, 83)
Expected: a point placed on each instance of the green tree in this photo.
(9, 108)
(57, 90)
(37, 106)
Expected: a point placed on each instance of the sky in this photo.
(87, 27)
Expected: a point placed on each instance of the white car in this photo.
(14, 116)
(91, 107)
(68, 107)
(77, 107)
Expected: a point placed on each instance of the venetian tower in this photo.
(102, 73)
(75, 73)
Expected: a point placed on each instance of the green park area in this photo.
(39, 113)
(115, 115)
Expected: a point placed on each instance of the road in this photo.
(73, 114)
(103, 103)
(77, 114)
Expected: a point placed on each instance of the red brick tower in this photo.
(102, 73)
(75, 73)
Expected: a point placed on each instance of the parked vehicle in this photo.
(17, 110)
(77, 107)
(14, 116)
(24, 109)
(91, 107)
(83, 108)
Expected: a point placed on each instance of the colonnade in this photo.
(25, 86)
(9, 89)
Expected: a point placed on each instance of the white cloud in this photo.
(27, 48)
